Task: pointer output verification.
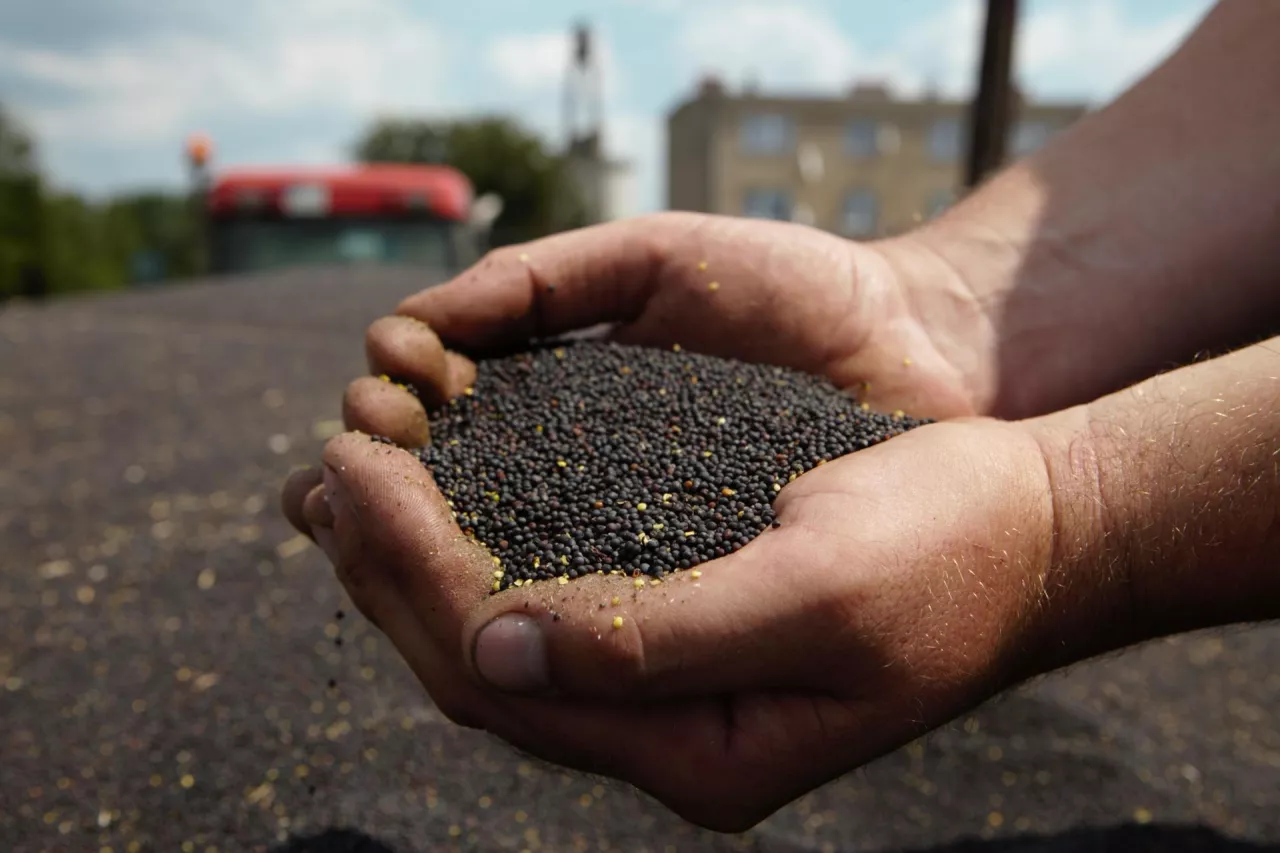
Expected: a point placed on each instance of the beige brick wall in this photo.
(708, 169)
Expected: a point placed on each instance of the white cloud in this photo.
(799, 46)
(1088, 49)
(539, 62)
(336, 55)
(1080, 48)
(784, 46)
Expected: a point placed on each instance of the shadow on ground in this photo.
(1122, 839)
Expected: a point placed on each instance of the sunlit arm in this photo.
(1167, 499)
(1140, 236)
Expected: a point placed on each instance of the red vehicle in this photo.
(262, 219)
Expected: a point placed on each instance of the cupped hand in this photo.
(904, 585)
(885, 320)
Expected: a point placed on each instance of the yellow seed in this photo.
(713, 286)
(642, 506)
(675, 348)
(726, 491)
(906, 362)
(564, 561)
(866, 407)
(898, 413)
(562, 580)
(655, 582)
(188, 780)
(561, 463)
(695, 574)
(702, 266)
(384, 377)
(468, 391)
(706, 453)
(688, 533)
(617, 622)
(639, 583)
(497, 585)
(666, 497)
(616, 601)
(519, 582)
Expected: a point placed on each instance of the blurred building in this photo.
(864, 165)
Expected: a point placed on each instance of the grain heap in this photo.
(598, 457)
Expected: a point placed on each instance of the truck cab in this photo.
(267, 219)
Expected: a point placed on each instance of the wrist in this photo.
(1029, 341)
(1085, 603)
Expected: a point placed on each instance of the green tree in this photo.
(78, 246)
(20, 210)
(160, 225)
(498, 156)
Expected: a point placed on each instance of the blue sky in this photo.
(112, 87)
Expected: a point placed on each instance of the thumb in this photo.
(759, 618)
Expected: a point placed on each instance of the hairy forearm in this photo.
(1141, 236)
(1167, 503)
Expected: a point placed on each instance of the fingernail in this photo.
(316, 510)
(511, 654)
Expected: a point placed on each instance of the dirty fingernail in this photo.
(511, 654)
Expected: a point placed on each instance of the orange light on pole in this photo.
(199, 149)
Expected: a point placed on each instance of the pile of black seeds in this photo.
(598, 457)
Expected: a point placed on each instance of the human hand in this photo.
(888, 320)
(907, 583)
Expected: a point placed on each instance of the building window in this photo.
(1028, 136)
(767, 204)
(767, 134)
(860, 214)
(862, 138)
(945, 140)
(939, 201)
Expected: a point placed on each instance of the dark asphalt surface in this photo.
(166, 644)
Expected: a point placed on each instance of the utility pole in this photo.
(990, 114)
(199, 152)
